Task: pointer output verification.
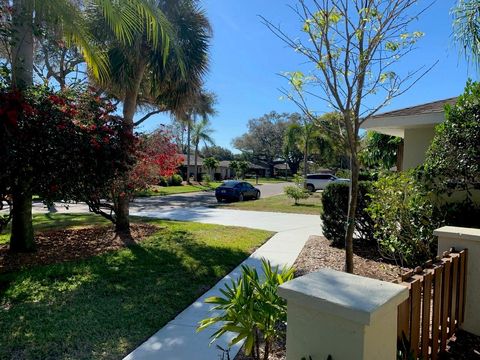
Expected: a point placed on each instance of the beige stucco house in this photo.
(415, 125)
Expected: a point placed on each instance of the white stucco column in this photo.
(346, 316)
(465, 238)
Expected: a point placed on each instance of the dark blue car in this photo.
(233, 190)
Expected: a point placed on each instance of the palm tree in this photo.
(201, 132)
(165, 80)
(201, 104)
(123, 17)
(467, 29)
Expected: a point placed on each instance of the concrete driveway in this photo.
(165, 203)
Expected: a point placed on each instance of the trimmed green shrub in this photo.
(452, 164)
(404, 219)
(251, 309)
(296, 193)
(207, 179)
(335, 209)
(176, 180)
(163, 181)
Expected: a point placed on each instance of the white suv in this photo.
(316, 182)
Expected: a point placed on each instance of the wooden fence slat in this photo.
(436, 304)
(461, 289)
(416, 292)
(427, 296)
(403, 323)
(453, 295)
(445, 302)
(437, 292)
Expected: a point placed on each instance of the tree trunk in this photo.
(22, 47)
(189, 136)
(129, 108)
(196, 162)
(21, 239)
(305, 160)
(352, 210)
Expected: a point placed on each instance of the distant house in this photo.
(222, 172)
(282, 170)
(416, 125)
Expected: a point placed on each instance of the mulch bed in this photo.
(58, 246)
(318, 253)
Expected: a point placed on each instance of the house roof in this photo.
(192, 159)
(419, 116)
(428, 108)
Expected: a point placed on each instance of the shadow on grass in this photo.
(107, 305)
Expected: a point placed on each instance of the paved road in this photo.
(165, 203)
(178, 340)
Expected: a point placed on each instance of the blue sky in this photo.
(246, 59)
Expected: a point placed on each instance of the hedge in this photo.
(335, 209)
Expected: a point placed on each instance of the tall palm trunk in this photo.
(196, 161)
(122, 202)
(21, 239)
(189, 139)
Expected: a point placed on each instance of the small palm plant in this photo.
(251, 309)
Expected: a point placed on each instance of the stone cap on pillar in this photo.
(458, 233)
(352, 297)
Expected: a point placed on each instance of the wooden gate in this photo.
(435, 307)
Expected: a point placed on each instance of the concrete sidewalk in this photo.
(178, 340)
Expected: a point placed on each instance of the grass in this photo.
(105, 306)
(181, 189)
(283, 204)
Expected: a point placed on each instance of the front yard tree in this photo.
(66, 18)
(74, 151)
(352, 47)
(163, 75)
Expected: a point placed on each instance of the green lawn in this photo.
(105, 306)
(181, 189)
(281, 203)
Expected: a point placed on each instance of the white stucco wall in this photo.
(417, 142)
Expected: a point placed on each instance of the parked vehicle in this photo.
(315, 182)
(233, 190)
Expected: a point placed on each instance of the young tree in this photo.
(352, 46)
